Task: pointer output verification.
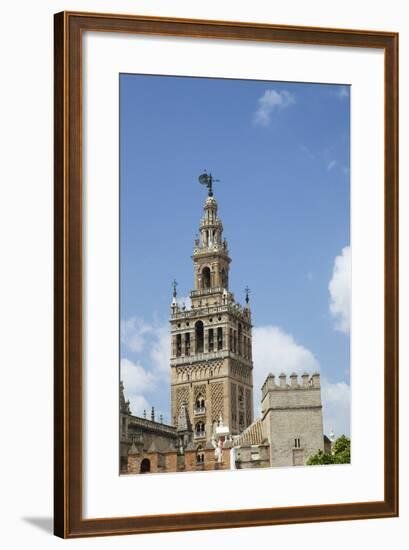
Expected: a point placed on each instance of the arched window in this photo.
(200, 430)
(206, 277)
(199, 455)
(199, 336)
(200, 404)
(145, 466)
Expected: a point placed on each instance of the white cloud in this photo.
(135, 378)
(340, 291)
(336, 399)
(133, 333)
(276, 351)
(268, 102)
(138, 404)
(331, 165)
(151, 368)
(160, 351)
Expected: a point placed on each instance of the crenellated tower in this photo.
(211, 342)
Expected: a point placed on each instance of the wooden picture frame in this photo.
(68, 262)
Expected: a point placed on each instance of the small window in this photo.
(297, 443)
(200, 455)
(200, 404)
(200, 429)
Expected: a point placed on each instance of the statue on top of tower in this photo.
(207, 179)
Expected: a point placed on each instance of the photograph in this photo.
(235, 274)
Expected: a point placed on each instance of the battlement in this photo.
(290, 383)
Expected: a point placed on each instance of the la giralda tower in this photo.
(211, 343)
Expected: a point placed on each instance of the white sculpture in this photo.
(218, 449)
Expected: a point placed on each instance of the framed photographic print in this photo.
(226, 274)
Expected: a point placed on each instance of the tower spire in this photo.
(211, 256)
(174, 306)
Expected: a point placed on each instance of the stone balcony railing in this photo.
(136, 422)
(205, 310)
(199, 435)
(199, 357)
(206, 291)
(199, 411)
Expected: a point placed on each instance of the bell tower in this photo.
(211, 343)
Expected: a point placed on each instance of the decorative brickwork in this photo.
(198, 371)
(182, 394)
(216, 393)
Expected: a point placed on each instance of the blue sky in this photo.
(281, 152)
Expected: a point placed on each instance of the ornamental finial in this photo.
(208, 180)
(247, 291)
